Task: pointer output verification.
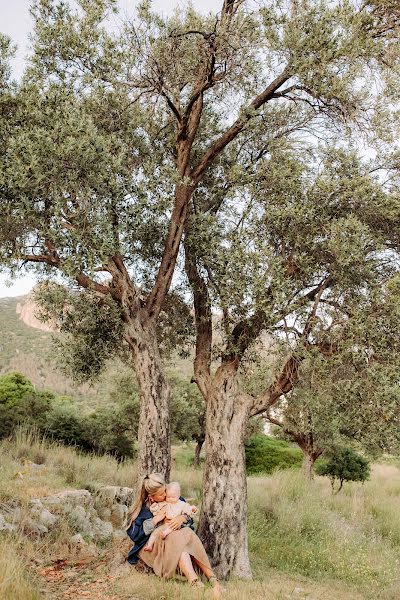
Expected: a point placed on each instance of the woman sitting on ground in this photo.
(181, 549)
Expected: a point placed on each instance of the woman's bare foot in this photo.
(196, 583)
(217, 589)
(148, 548)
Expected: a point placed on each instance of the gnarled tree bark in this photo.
(223, 521)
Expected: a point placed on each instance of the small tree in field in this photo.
(344, 465)
(352, 394)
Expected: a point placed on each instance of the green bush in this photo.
(21, 404)
(113, 430)
(265, 455)
(344, 465)
(65, 424)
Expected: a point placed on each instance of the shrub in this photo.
(66, 425)
(113, 430)
(20, 403)
(265, 454)
(344, 465)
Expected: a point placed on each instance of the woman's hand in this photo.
(160, 516)
(177, 522)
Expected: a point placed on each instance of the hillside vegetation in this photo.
(27, 350)
(304, 541)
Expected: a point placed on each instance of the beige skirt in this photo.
(165, 555)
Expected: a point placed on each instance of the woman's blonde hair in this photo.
(149, 486)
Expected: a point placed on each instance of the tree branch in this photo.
(203, 319)
(238, 125)
(282, 385)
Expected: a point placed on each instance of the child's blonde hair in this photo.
(174, 486)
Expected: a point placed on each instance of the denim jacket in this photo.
(138, 536)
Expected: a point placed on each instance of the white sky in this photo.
(16, 22)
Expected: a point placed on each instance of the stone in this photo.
(4, 526)
(120, 534)
(34, 528)
(51, 501)
(78, 540)
(15, 515)
(102, 530)
(35, 503)
(79, 519)
(104, 513)
(69, 497)
(46, 518)
(118, 514)
(116, 493)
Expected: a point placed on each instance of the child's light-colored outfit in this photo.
(173, 510)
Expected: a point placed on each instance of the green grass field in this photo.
(304, 541)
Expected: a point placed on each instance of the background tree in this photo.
(316, 241)
(344, 465)
(351, 396)
(21, 403)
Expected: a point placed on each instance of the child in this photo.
(175, 507)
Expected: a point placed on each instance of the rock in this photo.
(15, 515)
(4, 526)
(79, 519)
(90, 550)
(104, 513)
(118, 514)
(102, 530)
(69, 497)
(119, 534)
(47, 518)
(111, 494)
(77, 540)
(34, 528)
(118, 564)
(51, 501)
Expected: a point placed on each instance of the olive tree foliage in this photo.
(117, 137)
(305, 259)
(351, 395)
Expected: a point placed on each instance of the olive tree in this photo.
(315, 241)
(113, 132)
(351, 396)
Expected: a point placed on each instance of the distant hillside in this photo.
(26, 348)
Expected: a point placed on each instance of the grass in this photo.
(304, 542)
(14, 583)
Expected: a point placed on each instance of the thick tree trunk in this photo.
(308, 465)
(310, 455)
(154, 423)
(223, 521)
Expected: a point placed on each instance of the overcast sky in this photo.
(16, 22)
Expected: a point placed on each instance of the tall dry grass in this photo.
(304, 542)
(304, 529)
(63, 467)
(14, 583)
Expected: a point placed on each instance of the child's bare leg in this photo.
(149, 546)
(166, 532)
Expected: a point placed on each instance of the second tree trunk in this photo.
(223, 522)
